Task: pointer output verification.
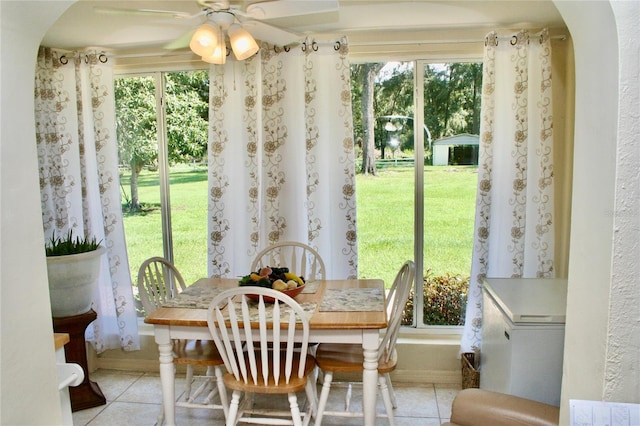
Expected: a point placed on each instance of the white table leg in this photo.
(167, 375)
(369, 375)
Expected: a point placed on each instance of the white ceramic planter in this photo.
(72, 282)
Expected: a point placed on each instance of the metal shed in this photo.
(444, 148)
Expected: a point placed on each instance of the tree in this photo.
(367, 73)
(394, 98)
(452, 98)
(187, 112)
(136, 128)
(187, 116)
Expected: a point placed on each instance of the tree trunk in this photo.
(476, 99)
(135, 201)
(368, 119)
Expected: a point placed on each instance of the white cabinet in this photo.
(523, 337)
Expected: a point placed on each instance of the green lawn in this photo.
(385, 221)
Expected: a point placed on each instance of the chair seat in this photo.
(348, 358)
(295, 383)
(196, 352)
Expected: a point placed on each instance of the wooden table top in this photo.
(320, 320)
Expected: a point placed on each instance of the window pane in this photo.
(187, 115)
(385, 193)
(138, 157)
(183, 217)
(452, 114)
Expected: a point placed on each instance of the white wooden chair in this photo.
(253, 367)
(347, 358)
(300, 258)
(159, 281)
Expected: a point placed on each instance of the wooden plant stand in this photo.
(87, 394)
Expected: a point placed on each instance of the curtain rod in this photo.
(313, 45)
(443, 41)
(336, 44)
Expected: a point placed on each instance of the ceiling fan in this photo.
(222, 20)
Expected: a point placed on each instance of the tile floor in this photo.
(133, 399)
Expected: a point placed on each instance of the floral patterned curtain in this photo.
(281, 157)
(79, 181)
(514, 224)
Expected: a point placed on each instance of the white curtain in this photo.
(79, 181)
(514, 223)
(281, 157)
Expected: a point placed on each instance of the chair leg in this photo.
(394, 403)
(160, 416)
(347, 397)
(233, 408)
(222, 391)
(312, 397)
(295, 409)
(189, 381)
(324, 396)
(386, 398)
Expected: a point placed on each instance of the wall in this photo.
(28, 372)
(601, 358)
(622, 369)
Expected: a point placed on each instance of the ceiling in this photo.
(363, 21)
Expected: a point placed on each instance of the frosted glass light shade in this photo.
(242, 43)
(204, 40)
(219, 55)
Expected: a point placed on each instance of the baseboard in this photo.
(426, 376)
(398, 376)
(124, 364)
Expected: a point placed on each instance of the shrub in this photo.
(445, 300)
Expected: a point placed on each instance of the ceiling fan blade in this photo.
(146, 12)
(181, 42)
(286, 8)
(272, 34)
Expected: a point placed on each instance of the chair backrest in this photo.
(230, 318)
(158, 281)
(300, 258)
(395, 302)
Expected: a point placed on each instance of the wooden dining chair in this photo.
(334, 358)
(301, 259)
(158, 282)
(253, 366)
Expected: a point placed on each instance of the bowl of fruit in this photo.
(277, 278)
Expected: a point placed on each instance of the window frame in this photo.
(419, 64)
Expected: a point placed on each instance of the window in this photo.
(412, 208)
(162, 141)
(409, 208)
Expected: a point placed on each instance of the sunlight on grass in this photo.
(385, 221)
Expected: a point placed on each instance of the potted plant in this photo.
(73, 266)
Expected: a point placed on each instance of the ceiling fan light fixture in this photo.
(205, 40)
(219, 55)
(242, 43)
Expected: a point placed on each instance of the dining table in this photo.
(341, 311)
